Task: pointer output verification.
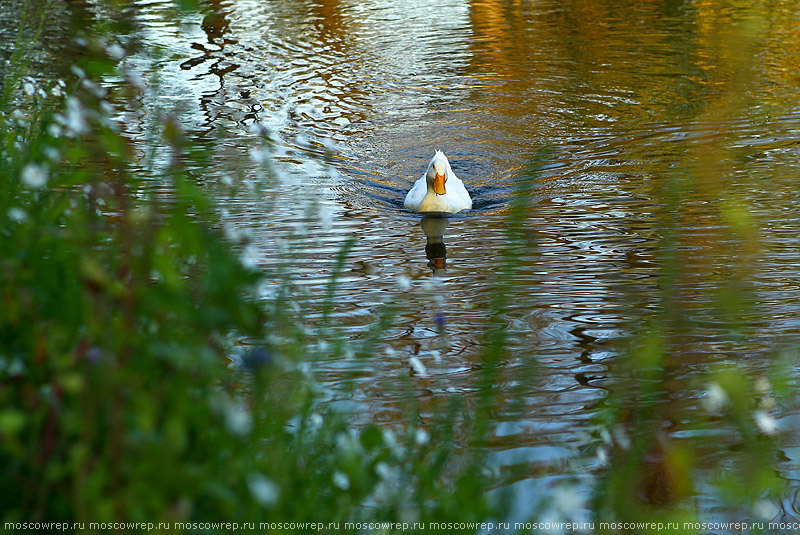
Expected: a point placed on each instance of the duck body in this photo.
(439, 190)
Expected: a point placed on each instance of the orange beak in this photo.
(438, 184)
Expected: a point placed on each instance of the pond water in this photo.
(653, 146)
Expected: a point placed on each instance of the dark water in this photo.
(636, 127)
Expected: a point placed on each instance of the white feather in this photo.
(423, 199)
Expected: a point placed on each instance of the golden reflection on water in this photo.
(671, 183)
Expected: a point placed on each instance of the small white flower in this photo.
(765, 423)
(348, 354)
(761, 385)
(115, 51)
(341, 480)
(389, 438)
(29, 88)
(136, 79)
(54, 130)
(418, 367)
(237, 419)
(347, 443)
(421, 437)
(263, 489)
(621, 437)
(385, 471)
(76, 117)
(18, 215)
(315, 420)
(568, 499)
(602, 456)
(250, 256)
(34, 175)
(77, 71)
(325, 217)
(403, 282)
(716, 397)
(52, 154)
(259, 156)
(96, 89)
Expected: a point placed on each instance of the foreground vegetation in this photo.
(123, 307)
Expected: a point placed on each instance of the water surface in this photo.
(631, 129)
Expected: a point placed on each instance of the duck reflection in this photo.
(435, 249)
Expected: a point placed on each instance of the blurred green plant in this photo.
(120, 306)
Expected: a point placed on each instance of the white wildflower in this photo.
(765, 423)
(250, 256)
(385, 471)
(263, 489)
(18, 215)
(390, 441)
(404, 283)
(52, 154)
(259, 155)
(568, 499)
(621, 437)
(34, 175)
(237, 419)
(77, 71)
(347, 443)
(54, 130)
(16, 367)
(762, 385)
(96, 89)
(115, 51)
(716, 397)
(602, 456)
(341, 480)
(76, 118)
(325, 217)
(136, 79)
(29, 88)
(315, 420)
(421, 437)
(418, 367)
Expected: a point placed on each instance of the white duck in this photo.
(439, 190)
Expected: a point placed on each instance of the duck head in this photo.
(437, 173)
